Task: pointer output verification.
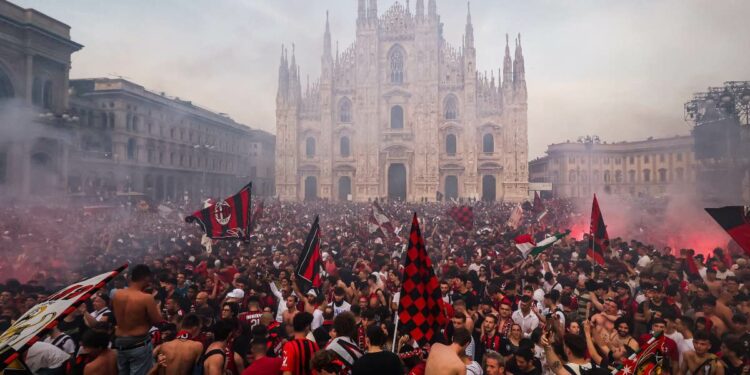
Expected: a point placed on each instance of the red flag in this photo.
(538, 205)
(689, 266)
(226, 219)
(420, 305)
(599, 239)
(736, 221)
(463, 216)
(310, 261)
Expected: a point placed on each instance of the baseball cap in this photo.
(237, 293)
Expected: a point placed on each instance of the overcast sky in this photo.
(618, 69)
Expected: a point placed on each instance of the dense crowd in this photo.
(234, 307)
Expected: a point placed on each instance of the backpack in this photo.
(594, 370)
(198, 368)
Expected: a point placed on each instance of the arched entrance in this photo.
(451, 187)
(345, 188)
(311, 188)
(6, 87)
(488, 188)
(397, 182)
(44, 176)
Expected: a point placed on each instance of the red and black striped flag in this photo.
(226, 219)
(599, 240)
(463, 216)
(736, 221)
(310, 261)
(420, 304)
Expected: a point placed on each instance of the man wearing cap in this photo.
(235, 296)
(653, 307)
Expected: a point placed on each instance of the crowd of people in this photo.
(186, 305)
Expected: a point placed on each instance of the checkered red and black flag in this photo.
(226, 219)
(310, 261)
(463, 215)
(599, 240)
(420, 305)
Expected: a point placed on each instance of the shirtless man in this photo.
(214, 361)
(700, 361)
(135, 313)
(291, 309)
(94, 345)
(444, 359)
(179, 356)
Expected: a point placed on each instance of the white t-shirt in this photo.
(43, 355)
(317, 319)
(345, 306)
(644, 261)
(723, 275)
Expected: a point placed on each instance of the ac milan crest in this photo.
(222, 212)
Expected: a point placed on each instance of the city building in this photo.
(35, 55)
(402, 114)
(96, 138)
(130, 139)
(652, 167)
(721, 119)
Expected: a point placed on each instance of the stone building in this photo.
(402, 114)
(35, 55)
(651, 167)
(130, 139)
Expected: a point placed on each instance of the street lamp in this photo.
(204, 147)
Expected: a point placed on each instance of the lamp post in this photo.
(204, 147)
(589, 141)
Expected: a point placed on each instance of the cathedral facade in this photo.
(402, 114)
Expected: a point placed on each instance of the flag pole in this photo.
(395, 328)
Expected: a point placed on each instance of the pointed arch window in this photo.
(488, 143)
(397, 66)
(397, 117)
(450, 144)
(451, 108)
(310, 147)
(345, 110)
(344, 147)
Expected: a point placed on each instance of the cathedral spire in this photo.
(420, 10)
(519, 73)
(361, 11)
(507, 66)
(372, 10)
(469, 36)
(283, 88)
(432, 10)
(327, 40)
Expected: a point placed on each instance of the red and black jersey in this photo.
(296, 356)
(275, 339)
(492, 342)
(251, 319)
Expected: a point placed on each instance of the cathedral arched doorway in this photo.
(451, 187)
(488, 188)
(345, 188)
(6, 87)
(397, 182)
(311, 188)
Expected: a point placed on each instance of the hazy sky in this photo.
(618, 69)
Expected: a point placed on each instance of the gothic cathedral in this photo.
(402, 114)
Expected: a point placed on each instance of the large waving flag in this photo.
(599, 239)
(515, 217)
(652, 359)
(378, 221)
(310, 261)
(525, 243)
(463, 216)
(420, 305)
(736, 221)
(226, 219)
(40, 319)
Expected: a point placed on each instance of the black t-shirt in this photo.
(468, 297)
(512, 368)
(664, 307)
(381, 363)
(745, 340)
